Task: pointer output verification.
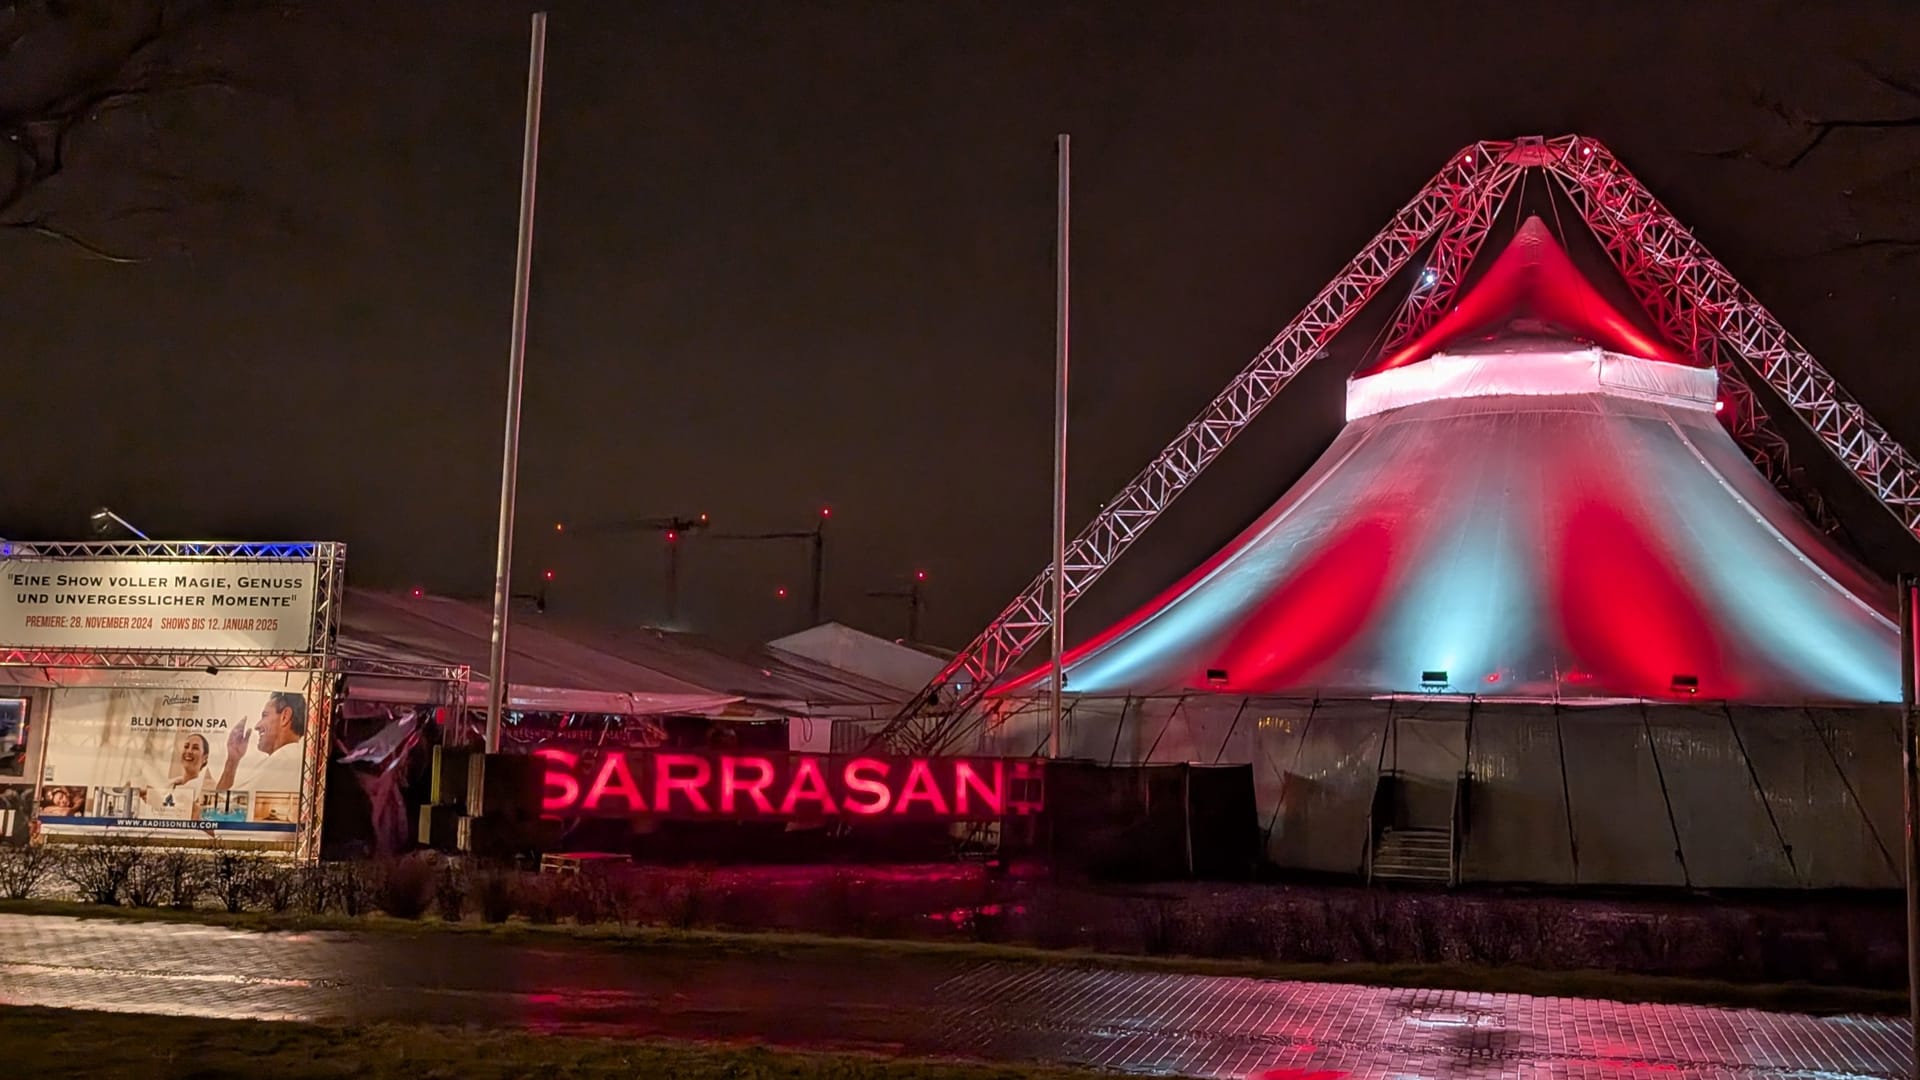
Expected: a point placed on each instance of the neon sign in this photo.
(696, 784)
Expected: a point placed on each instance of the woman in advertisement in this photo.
(187, 781)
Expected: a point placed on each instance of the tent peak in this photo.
(1530, 287)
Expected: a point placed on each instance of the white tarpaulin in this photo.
(215, 605)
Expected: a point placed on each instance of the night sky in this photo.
(794, 254)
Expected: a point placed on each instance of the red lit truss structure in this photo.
(1692, 299)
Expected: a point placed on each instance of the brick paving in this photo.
(1130, 1022)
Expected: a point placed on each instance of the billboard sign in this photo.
(783, 785)
(216, 605)
(188, 767)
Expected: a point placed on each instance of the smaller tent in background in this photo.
(903, 667)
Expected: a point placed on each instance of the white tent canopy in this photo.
(562, 665)
(549, 672)
(899, 666)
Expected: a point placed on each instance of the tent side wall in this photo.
(1707, 796)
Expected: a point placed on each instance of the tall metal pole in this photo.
(819, 572)
(1061, 260)
(1910, 795)
(516, 370)
(673, 581)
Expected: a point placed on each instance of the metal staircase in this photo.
(1421, 856)
(1420, 848)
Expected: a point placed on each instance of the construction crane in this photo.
(1691, 297)
(673, 530)
(915, 601)
(816, 539)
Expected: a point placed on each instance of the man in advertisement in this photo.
(273, 760)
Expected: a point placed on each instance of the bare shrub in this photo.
(846, 905)
(355, 887)
(1493, 934)
(1062, 919)
(24, 868)
(406, 887)
(233, 878)
(100, 871)
(146, 884)
(278, 886)
(1157, 920)
(1362, 920)
(450, 891)
(600, 895)
(1551, 938)
(684, 899)
(541, 898)
(1245, 933)
(183, 878)
(1310, 934)
(494, 894)
(314, 888)
(1431, 929)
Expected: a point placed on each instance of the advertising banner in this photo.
(775, 785)
(216, 605)
(187, 767)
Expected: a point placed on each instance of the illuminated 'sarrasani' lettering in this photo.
(697, 784)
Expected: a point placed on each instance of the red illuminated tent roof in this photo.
(1519, 510)
(1533, 279)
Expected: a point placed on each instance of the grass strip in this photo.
(44, 1043)
(1602, 985)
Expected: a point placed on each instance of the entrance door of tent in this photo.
(1427, 754)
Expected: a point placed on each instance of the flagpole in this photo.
(1061, 260)
(516, 371)
(1909, 793)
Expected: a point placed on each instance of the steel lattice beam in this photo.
(1692, 290)
(1690, 296)
(1452, 254)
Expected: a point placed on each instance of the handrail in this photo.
(1382, 787)
(1454, 830)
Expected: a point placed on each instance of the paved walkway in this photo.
(1129, 1021)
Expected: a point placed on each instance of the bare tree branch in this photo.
(92, 251)
(1900, 246)
(1815, 130)
(106, 56)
